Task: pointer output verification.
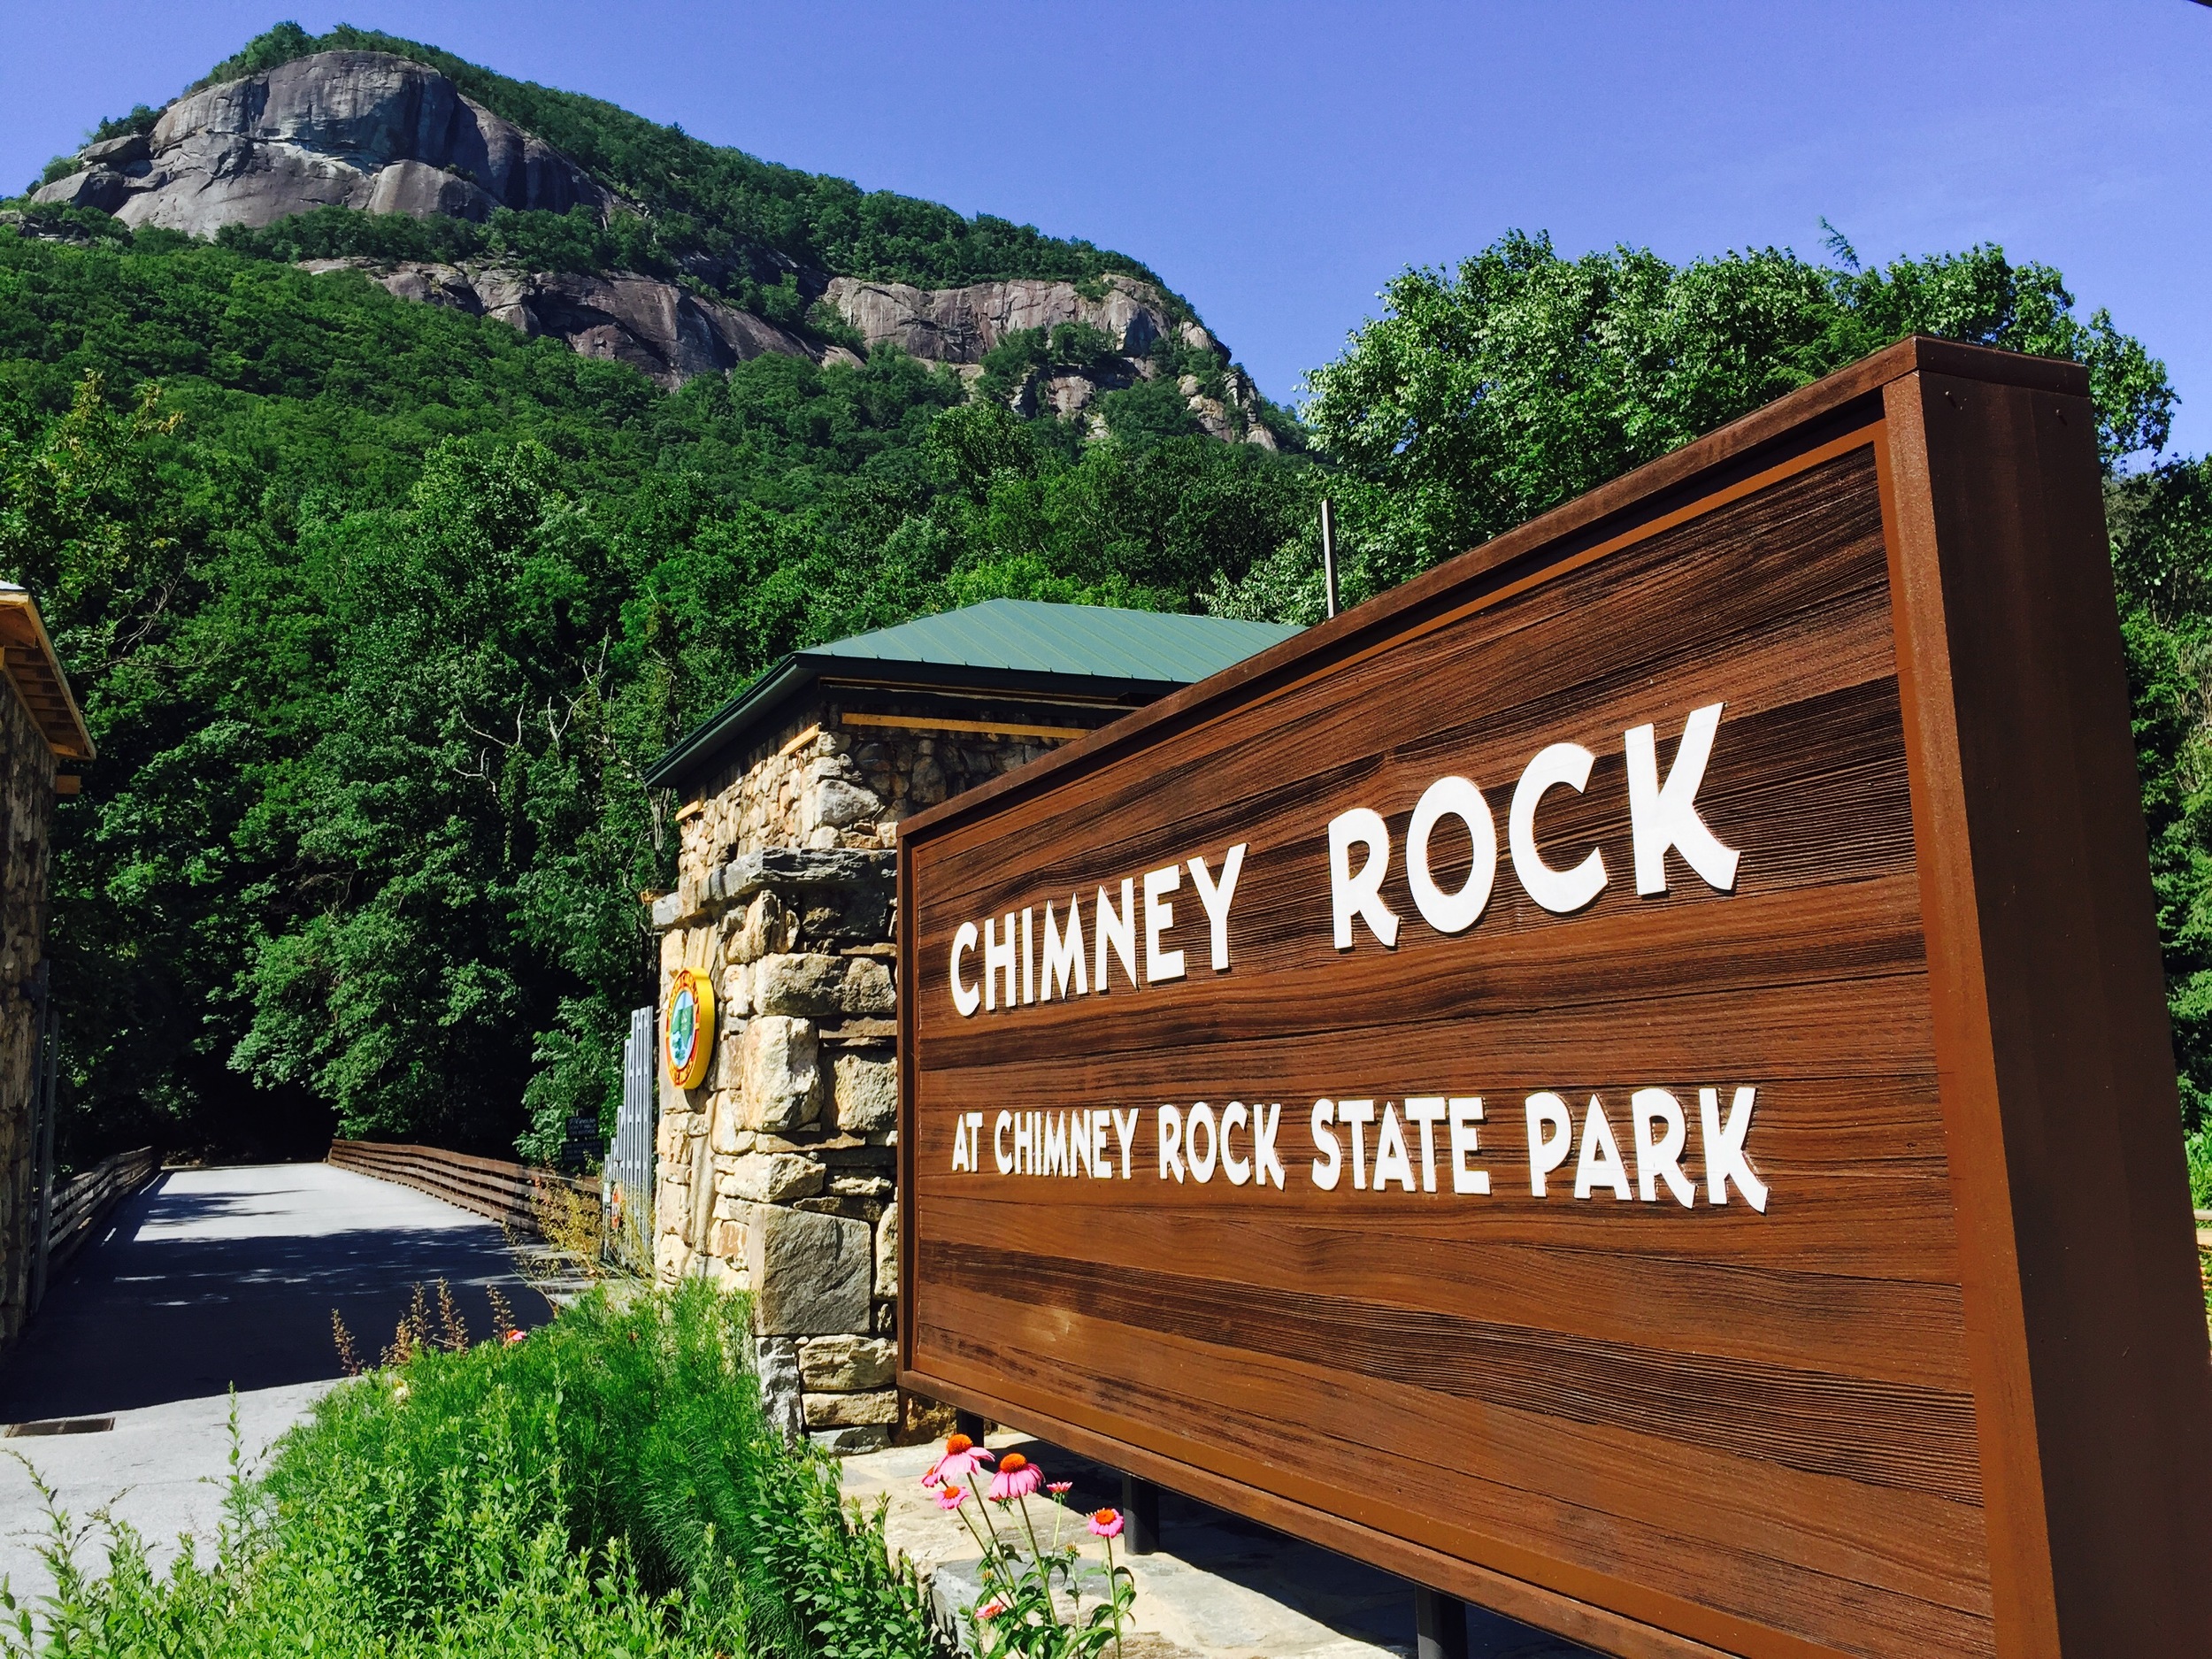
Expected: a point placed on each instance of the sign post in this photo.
(1626, 1081)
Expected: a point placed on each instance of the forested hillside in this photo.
(379, 609)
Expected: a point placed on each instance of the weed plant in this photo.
(607, 1486)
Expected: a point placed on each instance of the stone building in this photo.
(40, 731)
(777, 1174)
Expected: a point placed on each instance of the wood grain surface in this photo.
(1660, 1429)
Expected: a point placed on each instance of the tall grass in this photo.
(608, 1486)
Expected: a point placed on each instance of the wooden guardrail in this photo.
(84, 1201)
(486, 1185)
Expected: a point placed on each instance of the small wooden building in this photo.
(778, 1165)
(42, 738)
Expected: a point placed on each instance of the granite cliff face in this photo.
(665, 330)
(362, 130)
(382, 133)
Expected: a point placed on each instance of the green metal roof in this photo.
(1006, 646)
(1030, 635)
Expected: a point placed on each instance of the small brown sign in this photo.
(1626, 1081)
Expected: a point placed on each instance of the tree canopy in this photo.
(379, 612)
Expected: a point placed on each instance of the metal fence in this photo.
(627, 1175)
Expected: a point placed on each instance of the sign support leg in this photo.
(1440, 1625)
(970, 1424)
(1140, 1513)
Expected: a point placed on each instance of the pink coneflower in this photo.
(1058, 1488)
(1106, 1524)
(1017, 1478)
(961, 1454)
(514, 1336)
(991, 1609)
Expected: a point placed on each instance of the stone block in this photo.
(763, 928)
(845, 1364)
(671, 1253)
(735, 992)
(886, 1252)
(729, 1108)
(811, 1274)
(674, 1208)
(851, 1441)
(867, 988)
(837, 1411)
(922, 1419)
(808, 986)
(875, 1187)
(776, 1363)
(783, 1084)
(771, 1178)
(726, 1239)
(866, 1092)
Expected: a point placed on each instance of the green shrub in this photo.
(609, 1485)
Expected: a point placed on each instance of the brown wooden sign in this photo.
(1626, 1081)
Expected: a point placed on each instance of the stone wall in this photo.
(777, 1175)
(820, 783)
(27, 811)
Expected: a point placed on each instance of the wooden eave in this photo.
(26, 656)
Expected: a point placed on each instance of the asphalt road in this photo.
(206, 1281)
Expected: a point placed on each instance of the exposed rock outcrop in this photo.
(384, 134)
(363, 130)
(666, 332)
(961, 324)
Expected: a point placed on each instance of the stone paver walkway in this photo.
(1219, 1587)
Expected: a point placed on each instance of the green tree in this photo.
(1483, 396)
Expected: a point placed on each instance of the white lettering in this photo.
(1236, 1169)
(1201, 1170)
(1102, 1154)
(960, 1145)
(1029, 959)
(1358, 1114)
(1055, 1139)
(1265, 1121)
(1656, 1161)
(1452, 912)
(998, 1142)
(1359, 896)
(1601, 1159)
(1548, 1151)
(964, 997)
(1063, 954)
(1724, 1159)
(1025, 1143)
(1120, 930)
(1565, 765)
(1390, 1161)
(1171, 1142)
(1466, 1113)
(1126, 1132)
(1425, 1109)
(998, 958)
(1159, 916)
(1324, 1139)
(1216, 899)
(1661, 817)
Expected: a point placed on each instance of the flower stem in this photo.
(1113, 1591)
(1052, 1610)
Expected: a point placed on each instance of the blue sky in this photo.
(1277, 163)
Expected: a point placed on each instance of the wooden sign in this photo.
(1626, 1081)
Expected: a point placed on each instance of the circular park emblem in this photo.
(690, 1027)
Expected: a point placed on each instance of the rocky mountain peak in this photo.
(356, 129)
(378, 133)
